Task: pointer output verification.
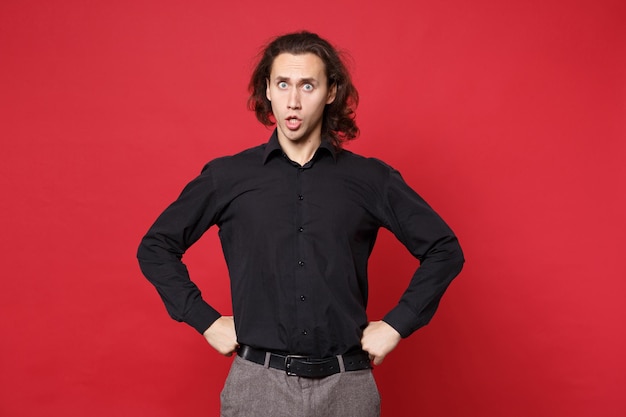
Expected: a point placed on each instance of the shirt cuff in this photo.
(403, 319)
(201, 316)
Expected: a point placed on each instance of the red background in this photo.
(508, 117)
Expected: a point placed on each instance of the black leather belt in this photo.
(303, 366)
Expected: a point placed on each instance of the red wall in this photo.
(508, 117)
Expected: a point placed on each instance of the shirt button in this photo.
(301, 229)
(301, 263)
(302, 298)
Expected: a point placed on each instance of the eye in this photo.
(282, 85)
(307, 87)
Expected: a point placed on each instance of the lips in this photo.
(293, 123)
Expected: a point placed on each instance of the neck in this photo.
(300, 152)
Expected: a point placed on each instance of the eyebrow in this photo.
(307, 80)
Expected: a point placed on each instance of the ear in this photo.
(332, 93)
(267, 89)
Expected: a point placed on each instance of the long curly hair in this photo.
(338, 122)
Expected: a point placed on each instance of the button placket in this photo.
(303, 320)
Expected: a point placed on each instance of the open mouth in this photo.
(293, 123)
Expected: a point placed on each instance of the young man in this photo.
(297, 218)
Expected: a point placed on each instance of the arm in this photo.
(432, 242)
(161, 250)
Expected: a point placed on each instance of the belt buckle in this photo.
(288, 360)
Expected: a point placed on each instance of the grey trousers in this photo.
(253, 390)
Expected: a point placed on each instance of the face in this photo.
(298, 90)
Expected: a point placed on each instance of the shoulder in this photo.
(246, 158)
(364, 165)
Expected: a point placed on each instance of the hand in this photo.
(378, 340)
(221, 335)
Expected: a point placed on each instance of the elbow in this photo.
(457, 256)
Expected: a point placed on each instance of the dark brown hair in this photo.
(338, 123)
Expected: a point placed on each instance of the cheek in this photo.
(275, 110)
(320, 105)
(274, 104)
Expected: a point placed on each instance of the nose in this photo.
(293, 101)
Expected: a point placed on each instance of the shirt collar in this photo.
(273, 146)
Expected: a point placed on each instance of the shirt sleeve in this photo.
(161, 250)
(429, 239)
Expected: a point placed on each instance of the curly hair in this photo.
(338, 122)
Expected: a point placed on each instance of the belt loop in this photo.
(268, 356)
(342, 366)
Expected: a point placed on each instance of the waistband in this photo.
(304, 366)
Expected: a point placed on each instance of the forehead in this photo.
(292, 66)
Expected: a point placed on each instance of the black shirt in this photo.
(297, 241)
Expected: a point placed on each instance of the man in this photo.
(297, 218)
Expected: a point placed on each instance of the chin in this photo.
(293, 136)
